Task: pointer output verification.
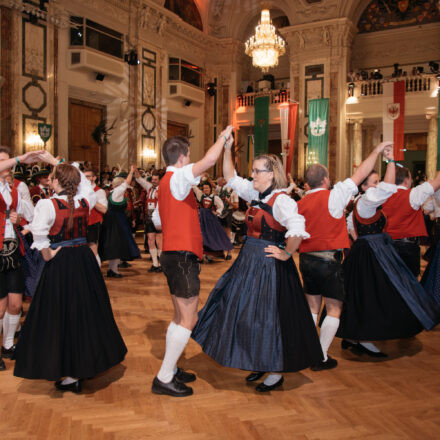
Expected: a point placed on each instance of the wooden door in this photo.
(177, 129)
(82, 122)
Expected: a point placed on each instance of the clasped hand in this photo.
(276, 252)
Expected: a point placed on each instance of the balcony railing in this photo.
(374, 87)
(275, 97)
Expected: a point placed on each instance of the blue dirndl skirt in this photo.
(214, 236)
(257, 318)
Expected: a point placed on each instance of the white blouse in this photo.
(285, 209)
(44, 214)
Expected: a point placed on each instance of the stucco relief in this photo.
(34, 63)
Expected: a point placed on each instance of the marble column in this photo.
(357, 143)
(431, 151)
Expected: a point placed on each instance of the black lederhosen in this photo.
(409, 251)
(150, 228)
(93, 233)
(182, 271)
(322, 276)
(226, 221)
(11, 273)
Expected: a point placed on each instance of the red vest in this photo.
(403, 220)
(326, 232)
(59, 231)
(95, 216)
(13, 206)
(255, 218)
(207, 202)
(180, 220)
(37, 193)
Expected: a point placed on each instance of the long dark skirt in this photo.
(214, 236)
(116, 239)
(374, 309)
(257, 317)
(69, 329)
(431, 277)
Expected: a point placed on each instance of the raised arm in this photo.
(368, 164)
(27, 158)
(212, 155)
(228, 164)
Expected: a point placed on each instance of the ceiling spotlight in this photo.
(210, 89)
(433, 66)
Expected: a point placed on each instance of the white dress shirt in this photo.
(24, 192)
(23, 208)
(340, 196)
(101, 196)
(118, 193)
(432, 206)
(144, 183)
(285, 209)
(419, 194)
(44, 214)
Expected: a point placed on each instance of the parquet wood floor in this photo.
(398, 398)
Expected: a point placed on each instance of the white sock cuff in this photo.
(181, 333)
(330, 321)
(13, 319)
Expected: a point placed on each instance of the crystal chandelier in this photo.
(265, 46)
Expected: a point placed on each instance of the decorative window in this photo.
(181, 70)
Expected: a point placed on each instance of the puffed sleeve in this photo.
(44, 218)
(373, 198)
(244, 188)
(285, 212)
(85, 190)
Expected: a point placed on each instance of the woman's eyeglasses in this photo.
(257, 171)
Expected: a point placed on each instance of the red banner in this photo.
(293, 117)
(399, 123)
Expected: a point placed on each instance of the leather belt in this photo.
(334, 255)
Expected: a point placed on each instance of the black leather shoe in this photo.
(159, 269)
(111, 274)
(347, 344)
(124, 265)
(8, 352)
(153, 269)
(184, 377)
(255, 375)
(75, 387)
(359, 348)
(2, 365)
(174, 388)
(327, 365)
(262, 387)
(228, 257)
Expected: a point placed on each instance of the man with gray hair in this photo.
(321, 255)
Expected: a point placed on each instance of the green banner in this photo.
(261, 132)
(438, 132)
(318, 131)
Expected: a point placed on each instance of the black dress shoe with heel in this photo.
(174, 388)
(2, 365)
(359, 349)
(262, 387)
(183, 376)
(325, 365)
(111, 274)
(75, 387)
(255, 375)
(347, 344)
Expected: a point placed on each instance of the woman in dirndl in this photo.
(257, 317)
(384, 300)
(69, 333)
(116, 241)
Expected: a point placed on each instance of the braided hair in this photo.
(68, 178)
(274, 164)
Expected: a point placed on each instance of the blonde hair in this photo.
(274, 164)
(117, 181)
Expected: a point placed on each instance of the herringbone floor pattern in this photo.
(398, 398)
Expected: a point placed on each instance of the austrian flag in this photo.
(394, 116)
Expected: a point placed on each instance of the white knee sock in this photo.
(11, 323)
(315, 317)
(232, 237)
(68, 380)
(176, 341)
(1, 326)
(153, 253)
(113, 265)
(272, 379)
(370, 346)
(328, 331)
(159, 253)
(98, 260)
